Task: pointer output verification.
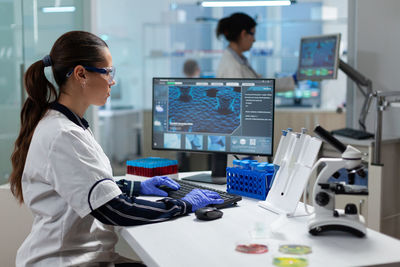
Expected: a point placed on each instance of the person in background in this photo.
(239, 30)
(61, 173)
(191, 69)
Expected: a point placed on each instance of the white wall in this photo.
(378, 55)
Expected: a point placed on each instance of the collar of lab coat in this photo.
(70, 115)
(241, 59)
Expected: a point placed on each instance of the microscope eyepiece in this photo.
(327, 137)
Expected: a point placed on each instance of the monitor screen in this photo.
(218, 116)
(319, 57)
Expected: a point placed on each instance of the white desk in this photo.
(186, 241)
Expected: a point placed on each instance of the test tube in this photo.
(261, 167)
(245, 164)
(253, 165)
(270, 167)
(236, 163)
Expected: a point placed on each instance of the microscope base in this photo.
(353, 224)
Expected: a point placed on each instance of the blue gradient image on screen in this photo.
(204, 109)
(319, 53)
(216, 143)
(172, 140)
(194, 141)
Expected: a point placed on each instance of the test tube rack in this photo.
(152, 166)
(248, 183)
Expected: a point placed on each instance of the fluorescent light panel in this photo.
(59, 9)
(244, 3)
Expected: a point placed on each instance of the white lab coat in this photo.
(64, 161)
(234, 66)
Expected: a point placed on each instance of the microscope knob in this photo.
(361, 173)
(335, 213)
(322, 199)
(350, 209)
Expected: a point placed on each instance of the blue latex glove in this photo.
(294, 76)
(150, 186)
(200, 198)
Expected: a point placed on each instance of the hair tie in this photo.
(47, 61)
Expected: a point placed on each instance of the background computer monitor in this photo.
(217, 116)
(319, 57)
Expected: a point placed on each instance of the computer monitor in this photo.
(212, 115)
(319, 57)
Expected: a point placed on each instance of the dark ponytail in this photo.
(71, 49)
(232, 26)
(40, 92)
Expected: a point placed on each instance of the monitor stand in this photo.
(218, 171)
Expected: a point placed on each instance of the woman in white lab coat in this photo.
(239, 30)
(61, 173)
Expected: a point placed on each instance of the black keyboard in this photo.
(353, 133)
(186, 187)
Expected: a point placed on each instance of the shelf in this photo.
(303, 21)
(259, 23)
(182, 54)
(217, 54)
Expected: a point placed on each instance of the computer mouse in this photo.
(208, 213)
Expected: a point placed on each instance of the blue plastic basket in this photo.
(248, 183)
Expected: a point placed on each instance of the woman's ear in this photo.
(80, 75)
(79, 72)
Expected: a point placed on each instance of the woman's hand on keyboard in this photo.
(200, 198)
(150, 186)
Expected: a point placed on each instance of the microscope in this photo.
(326, 217)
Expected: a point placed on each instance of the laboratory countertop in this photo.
(5, 186)
(187, 241)
(305, 109)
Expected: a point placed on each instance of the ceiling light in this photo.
(245, 3)
(58, 9)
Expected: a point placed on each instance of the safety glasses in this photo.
(110, 72)
(251, 33)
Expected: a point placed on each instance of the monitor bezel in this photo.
(210, 151)
(337, 58)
